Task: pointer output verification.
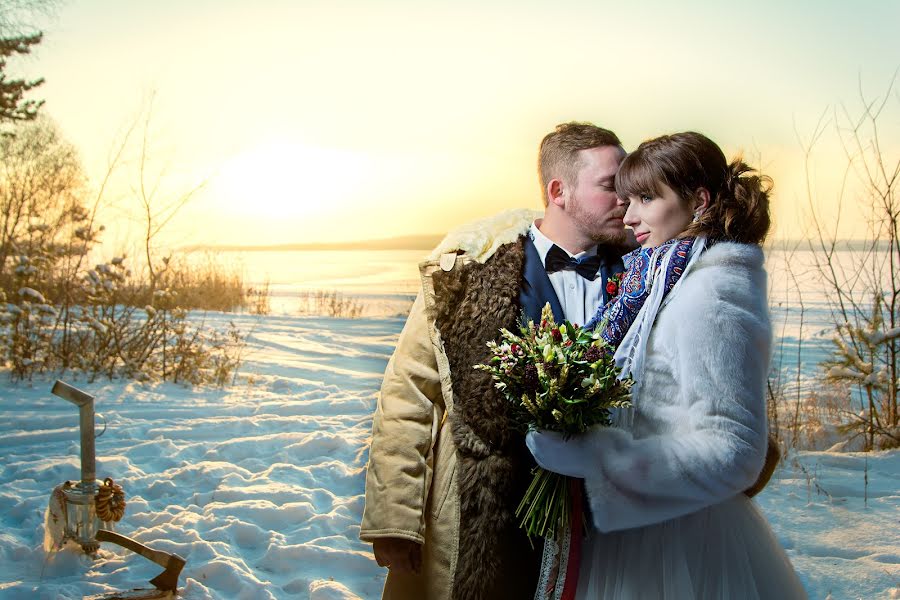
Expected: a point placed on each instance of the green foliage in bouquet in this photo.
(559, 378)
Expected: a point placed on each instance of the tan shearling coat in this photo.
(416, 466)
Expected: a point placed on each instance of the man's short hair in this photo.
(558, 157)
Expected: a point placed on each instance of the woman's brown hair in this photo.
(738, 208)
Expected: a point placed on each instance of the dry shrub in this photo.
(330, 304)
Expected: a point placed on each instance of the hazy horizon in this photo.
(430, 241)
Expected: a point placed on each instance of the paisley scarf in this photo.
(641, 269)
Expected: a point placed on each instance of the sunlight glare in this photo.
(286, 178)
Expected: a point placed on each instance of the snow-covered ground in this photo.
(260, 486)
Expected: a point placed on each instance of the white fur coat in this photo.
(699, 430)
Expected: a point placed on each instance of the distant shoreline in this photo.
(429, 242)
(410, 242)
(839, 245)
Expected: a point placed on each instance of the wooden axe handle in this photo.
(163, 559)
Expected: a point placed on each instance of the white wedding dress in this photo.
(665, 487)
(726, 551)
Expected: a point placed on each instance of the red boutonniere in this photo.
(613, 283)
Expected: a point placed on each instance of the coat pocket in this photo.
(444, 472)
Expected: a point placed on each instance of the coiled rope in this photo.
(110, 501)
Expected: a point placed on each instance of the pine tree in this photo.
(13, 104)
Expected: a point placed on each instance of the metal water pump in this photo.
(84, 512)
(80, 509)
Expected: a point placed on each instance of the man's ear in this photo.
(556, 192)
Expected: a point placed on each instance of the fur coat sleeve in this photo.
(699, 432)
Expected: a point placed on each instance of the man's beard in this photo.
(599, 228)
(608, 239)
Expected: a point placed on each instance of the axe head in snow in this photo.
(168, 579)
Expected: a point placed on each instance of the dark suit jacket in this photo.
(536, 287)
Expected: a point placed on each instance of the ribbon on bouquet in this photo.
(562, 555)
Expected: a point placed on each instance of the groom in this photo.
(446, 469)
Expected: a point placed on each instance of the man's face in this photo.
(592, 203)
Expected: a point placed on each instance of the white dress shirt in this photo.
(578, 297)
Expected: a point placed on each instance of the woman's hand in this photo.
(553, 452)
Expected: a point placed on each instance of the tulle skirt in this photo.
(726, 551)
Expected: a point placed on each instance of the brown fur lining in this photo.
(472, 304)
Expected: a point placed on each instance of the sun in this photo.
(286, 179)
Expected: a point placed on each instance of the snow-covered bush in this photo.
(57, 313)
(864, 361)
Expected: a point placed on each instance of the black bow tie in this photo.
(559, 260)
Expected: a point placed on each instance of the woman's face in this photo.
(657, 219)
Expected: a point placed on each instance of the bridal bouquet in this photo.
(560, 378)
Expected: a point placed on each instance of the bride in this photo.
(691, 326)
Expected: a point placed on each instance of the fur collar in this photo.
(732, 254)
(480, 239)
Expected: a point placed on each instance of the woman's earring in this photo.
(697, 216)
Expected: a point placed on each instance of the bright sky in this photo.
(333, 120)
